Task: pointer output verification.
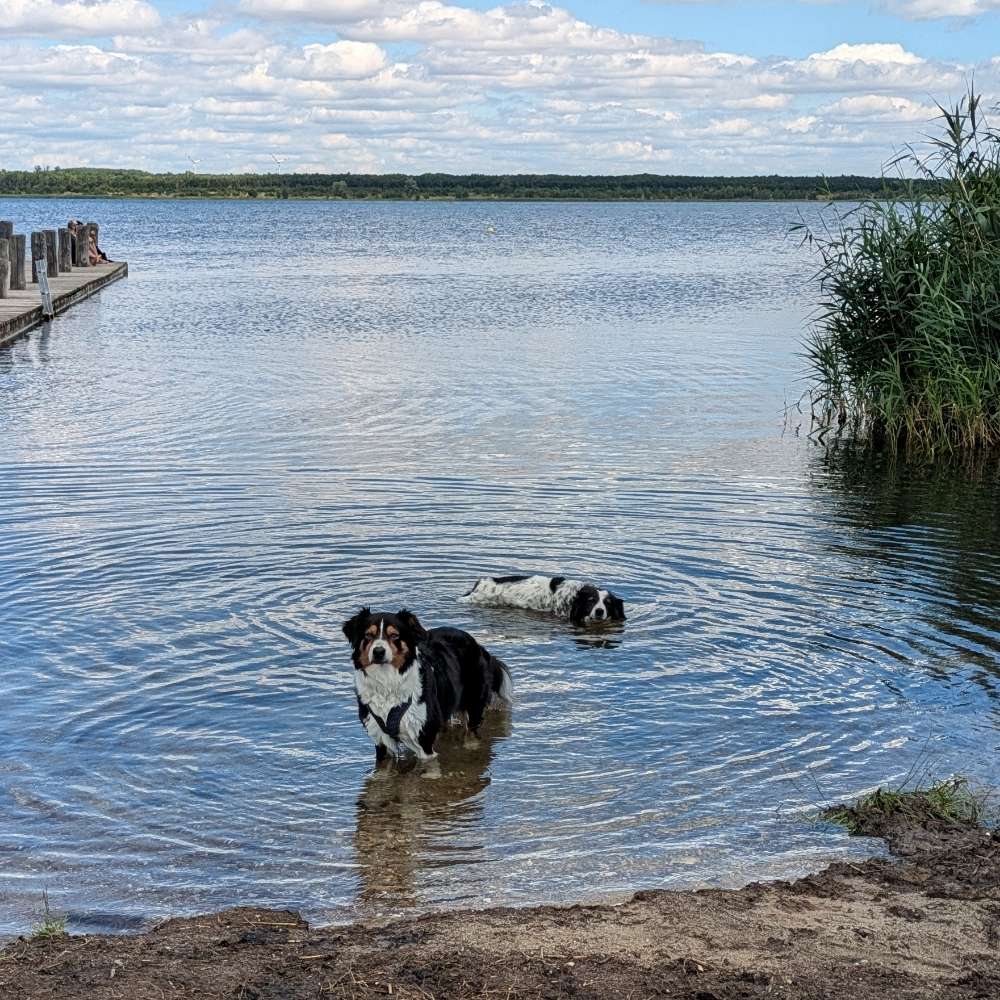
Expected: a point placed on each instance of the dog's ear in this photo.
(617, 608)
(410, 620)
(582, 603)
(354, 628)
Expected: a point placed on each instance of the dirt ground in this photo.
(924, 925)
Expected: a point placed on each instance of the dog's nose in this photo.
(378, 654)
(598, 613)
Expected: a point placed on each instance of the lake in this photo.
(290, 409)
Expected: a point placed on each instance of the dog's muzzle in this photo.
(379, 652)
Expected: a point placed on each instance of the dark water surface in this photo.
(290, 409)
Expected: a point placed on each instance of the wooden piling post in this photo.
(92, 228)
(81, 254)
(37, 254)
(11, 245)
(16, 244)
(4, 268)
(6, 236)
(65, 251)
(51, 251)
(7, 233)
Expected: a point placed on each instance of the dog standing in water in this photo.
(410, 680)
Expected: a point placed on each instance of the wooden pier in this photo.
(63, 256)
(21, 311)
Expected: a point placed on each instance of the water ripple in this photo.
(191, 502)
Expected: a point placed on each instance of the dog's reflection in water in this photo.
(410, 816)
(609, 637)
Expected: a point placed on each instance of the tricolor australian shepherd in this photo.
(410, 680)
(581, 603)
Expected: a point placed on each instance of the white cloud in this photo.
(802, 124)
(872, 53)
(343, 60)
(630, 151)
(397, 85)
(518, 26)
(197, 136)
(881, 107)
(75, 18)
(912, 10)
(439, 86)
(919, 10)
(729, 126)
(201, 41)
(238, 109)
(71, 65)
(758, 102)
(333, 11)
(870, 67)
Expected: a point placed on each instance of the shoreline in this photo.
(416, 201)
(924, 922)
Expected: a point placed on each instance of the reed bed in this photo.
(904, 352)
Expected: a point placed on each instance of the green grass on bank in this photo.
(950, 801)
(905, 352)
(50, 926)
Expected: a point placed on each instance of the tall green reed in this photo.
(905, 348)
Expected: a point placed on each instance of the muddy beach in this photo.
(924, 923)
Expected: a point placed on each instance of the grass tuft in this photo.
(905, 350)
(951, 801)
(51, 926)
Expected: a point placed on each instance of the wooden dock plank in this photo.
(22, 310)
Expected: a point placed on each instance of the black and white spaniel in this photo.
(581, 603)
(410, 680)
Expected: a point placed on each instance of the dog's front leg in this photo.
(423, 751)
(384, 744)
(430, 767)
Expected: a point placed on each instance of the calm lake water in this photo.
(290, 409)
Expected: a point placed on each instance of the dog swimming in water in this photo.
(581, 603)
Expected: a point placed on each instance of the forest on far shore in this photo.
(97, 182)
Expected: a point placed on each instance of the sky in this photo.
(628, 86)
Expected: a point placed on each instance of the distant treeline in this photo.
(633, 187)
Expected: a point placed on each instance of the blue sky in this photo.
(796, 29)
(467, 85)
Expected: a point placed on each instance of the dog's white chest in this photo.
(382, 688)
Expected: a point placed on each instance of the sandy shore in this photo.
(926, 924)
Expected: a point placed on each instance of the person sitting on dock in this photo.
(97, 255)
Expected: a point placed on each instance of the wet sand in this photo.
(923, 924)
